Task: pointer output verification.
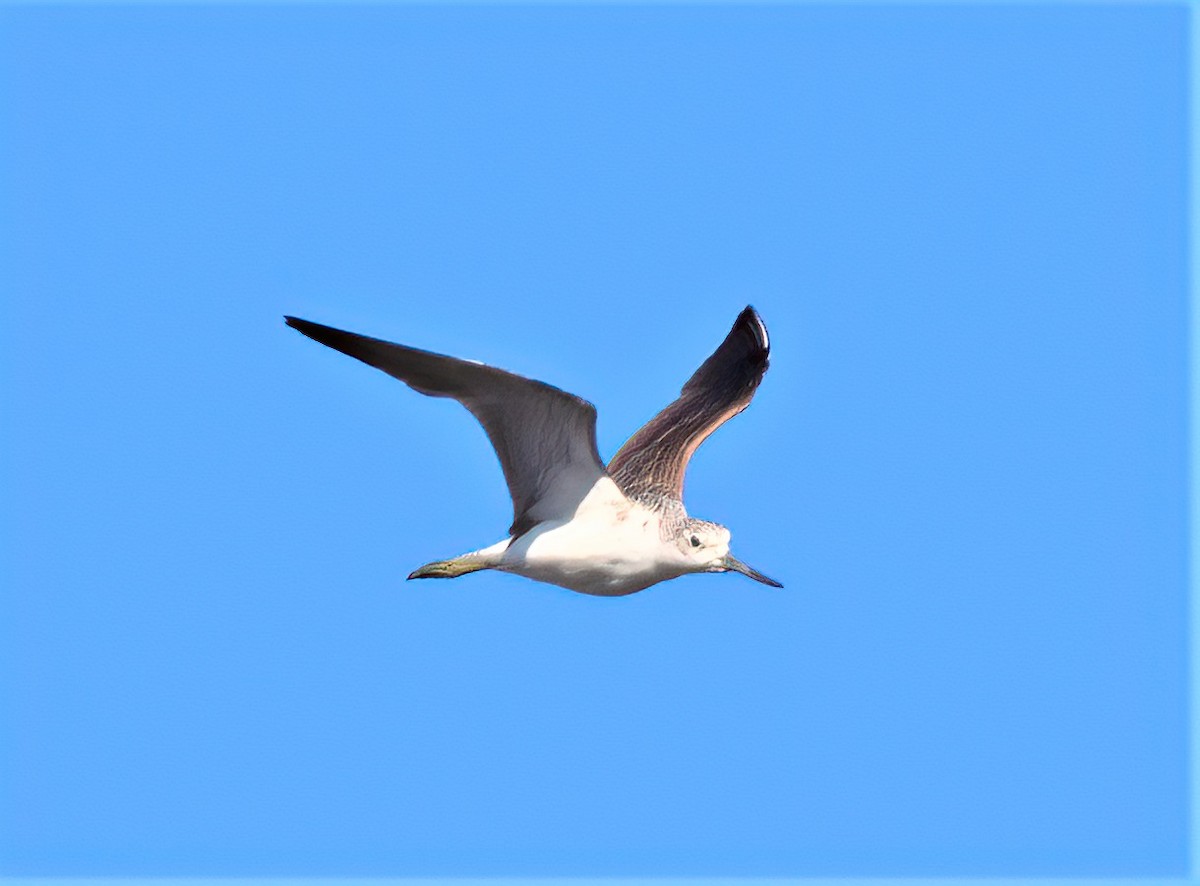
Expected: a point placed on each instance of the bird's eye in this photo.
(695, 542)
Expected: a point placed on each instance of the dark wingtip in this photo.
(338, 339)
(750, 320)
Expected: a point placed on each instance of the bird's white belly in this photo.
(607, 554)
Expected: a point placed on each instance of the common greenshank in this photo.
(577, 524)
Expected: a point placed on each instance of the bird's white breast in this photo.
(611, 546)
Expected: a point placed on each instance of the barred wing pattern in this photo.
(653, 461)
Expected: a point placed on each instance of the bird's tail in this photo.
(447, 568)
(485, 558)
(488, 558)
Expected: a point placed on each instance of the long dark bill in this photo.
(733, 564)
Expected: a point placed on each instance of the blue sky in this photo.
(965, 230)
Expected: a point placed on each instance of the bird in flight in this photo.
(606, 531)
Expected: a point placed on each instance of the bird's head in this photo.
(705, 548)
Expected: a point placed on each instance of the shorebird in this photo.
(606, 531)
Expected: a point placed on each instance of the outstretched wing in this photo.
(653, 460)
(545, 438)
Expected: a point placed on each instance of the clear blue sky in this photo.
(964, 228)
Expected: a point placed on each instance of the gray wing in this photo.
(545, 438)
(654, 460)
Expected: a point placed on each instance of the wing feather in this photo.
(654, 460)
(544, 437)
